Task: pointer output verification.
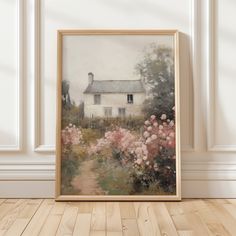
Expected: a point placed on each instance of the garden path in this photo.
(86, 182)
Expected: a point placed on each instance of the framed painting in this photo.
(118, 134)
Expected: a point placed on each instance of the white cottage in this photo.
(113, 98)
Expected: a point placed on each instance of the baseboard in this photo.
(199, 180)
(27, 189)
(45, 189)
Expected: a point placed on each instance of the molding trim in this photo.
(45, 170)
(38, 146)
(27, 172)
(209, 171)
(45, 189)
(19, 78)
(194, 48)
(194, 65)
(211, 79)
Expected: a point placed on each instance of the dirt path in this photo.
(86, 181)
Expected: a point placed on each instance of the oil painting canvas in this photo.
(118, 115)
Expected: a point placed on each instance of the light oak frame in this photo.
(58, 196)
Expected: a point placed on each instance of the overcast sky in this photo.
(107, 57)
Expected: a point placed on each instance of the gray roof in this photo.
(115, 86)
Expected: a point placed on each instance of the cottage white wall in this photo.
(115, 101)
(28, 59)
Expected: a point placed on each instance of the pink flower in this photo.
(154, 137)
(153, 117)
(149, 128)
(138, 151)
(155, 124)
(146, 134)
(139, 161)
(71, 135)
(144, 147)
(149, 140)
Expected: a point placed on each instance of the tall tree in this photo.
(157, 73)
(66, 102)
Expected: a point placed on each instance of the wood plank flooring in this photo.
(45, 217)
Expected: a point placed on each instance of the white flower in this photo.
(147, 163)
(155, 124)
(147, 122)
(171, 123)
(160, 126)
(163, 116)
(154, 137)
(149, 128)
(145, 158)
(153, 117)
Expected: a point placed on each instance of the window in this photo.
(121, 112)
(97, 99)
(130, 98)
(107, 111)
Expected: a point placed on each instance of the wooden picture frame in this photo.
(118, 118)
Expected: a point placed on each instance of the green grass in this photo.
(113, 178)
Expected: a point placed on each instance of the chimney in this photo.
(90, 77)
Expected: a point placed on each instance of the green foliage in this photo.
(70, 116)
(104, 124)
(70, 164)
(90, 135)
(157, 72)
(66, 102)
(113, 178)
(166, 173)
(81, 111)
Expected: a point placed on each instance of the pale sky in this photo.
(107, 57)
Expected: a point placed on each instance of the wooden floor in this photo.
(46, 217)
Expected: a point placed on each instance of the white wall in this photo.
(28, 86)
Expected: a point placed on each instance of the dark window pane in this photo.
(130, 98)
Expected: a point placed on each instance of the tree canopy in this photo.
(157, 72)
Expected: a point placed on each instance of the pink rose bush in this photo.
(120, 140)
(149, 155)
(157, 165)
(156, 136)
(141, 151)
(71, 135)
